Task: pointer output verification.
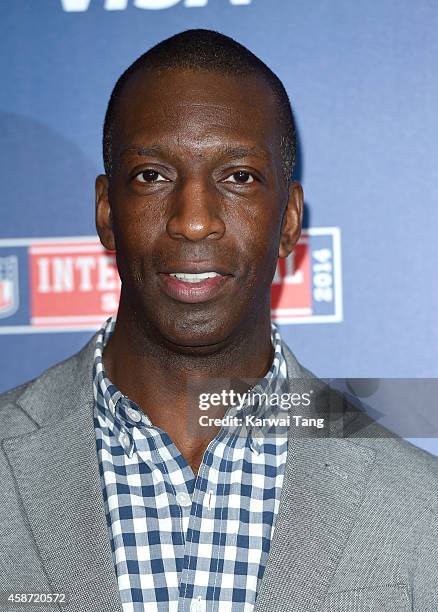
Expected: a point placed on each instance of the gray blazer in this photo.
(357, 529)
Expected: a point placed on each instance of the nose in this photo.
(195, 212)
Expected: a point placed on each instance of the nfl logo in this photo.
(8, 286)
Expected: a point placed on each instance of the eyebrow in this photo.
(142, 151)
(230, 153)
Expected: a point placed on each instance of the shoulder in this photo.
(24, 407)
(411, 472)
(397, 462)
(403, 474)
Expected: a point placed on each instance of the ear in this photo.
(292, 220)
(104, 222)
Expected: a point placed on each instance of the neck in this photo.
(155, 374)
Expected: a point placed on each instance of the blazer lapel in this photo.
(324, 483)
(57, 476)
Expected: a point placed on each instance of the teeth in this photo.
(194, 278)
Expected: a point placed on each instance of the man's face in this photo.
(197, 187)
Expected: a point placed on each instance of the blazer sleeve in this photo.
(425, 582)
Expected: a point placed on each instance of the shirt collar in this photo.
(116, 408)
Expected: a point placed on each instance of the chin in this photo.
(190, 336)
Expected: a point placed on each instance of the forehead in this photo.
(198, 109)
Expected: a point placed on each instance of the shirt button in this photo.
(183, 499)
(134, 415)
(197, 605)
(257, 435)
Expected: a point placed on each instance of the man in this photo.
(111, 492)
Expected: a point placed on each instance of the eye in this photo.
(150, 176)
(241, 177)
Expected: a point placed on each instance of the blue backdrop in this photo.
(362, 80)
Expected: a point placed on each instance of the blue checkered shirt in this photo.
(180, 542)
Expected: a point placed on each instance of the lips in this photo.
(192, 284)
(190, 277)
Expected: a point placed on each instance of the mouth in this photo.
(193, 287)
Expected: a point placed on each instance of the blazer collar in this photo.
(57, 474)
